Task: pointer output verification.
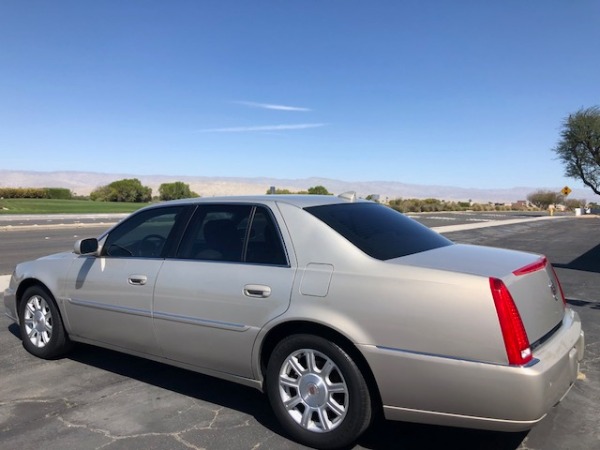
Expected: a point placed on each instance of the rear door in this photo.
(229, 278)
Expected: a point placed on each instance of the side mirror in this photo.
(86, 246)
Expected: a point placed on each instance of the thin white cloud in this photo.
(273, 107)
(298, 126)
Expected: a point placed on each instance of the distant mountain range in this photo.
(82, 183)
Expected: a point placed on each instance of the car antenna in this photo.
(350, 195)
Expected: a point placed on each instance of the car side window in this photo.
(264, 241)
(143, 235)
(377, 230)
(216, 233)
(221, 233)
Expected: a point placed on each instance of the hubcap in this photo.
(38, 321)
(313, 390)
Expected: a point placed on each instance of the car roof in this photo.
(301, 201)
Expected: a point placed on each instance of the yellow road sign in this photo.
(566, 191)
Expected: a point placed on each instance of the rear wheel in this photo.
(317, 392)
(42, 329)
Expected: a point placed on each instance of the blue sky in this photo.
(459, 93)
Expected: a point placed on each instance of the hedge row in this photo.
(50, 193)
(434, 205)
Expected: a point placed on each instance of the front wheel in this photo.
(317, 392)
(42, 329)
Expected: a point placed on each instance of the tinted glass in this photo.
(264, 241)
(220, 233)
(143, 235)
(377, 230)
(216, 233)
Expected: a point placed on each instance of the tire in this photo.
(317, 392)
(42, 329)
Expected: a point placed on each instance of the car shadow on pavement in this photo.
(185, 382)
(15, 330)
(382, 435)
(588, 262)
(388, 434)
(582, 303)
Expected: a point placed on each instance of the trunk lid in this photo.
(529, 278)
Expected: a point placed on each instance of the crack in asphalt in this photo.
(591, 356)
(177, 435)
(523, 446)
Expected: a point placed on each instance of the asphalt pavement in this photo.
(97, 398)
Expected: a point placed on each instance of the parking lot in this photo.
(97, 398)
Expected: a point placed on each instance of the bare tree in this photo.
(579, 147)
(542, 198)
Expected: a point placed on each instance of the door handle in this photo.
(257, 291)
(137, 280)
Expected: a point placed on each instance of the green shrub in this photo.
(126, 190)
(59, 193)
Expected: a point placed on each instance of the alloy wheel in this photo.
(313, 390)
(38, 321)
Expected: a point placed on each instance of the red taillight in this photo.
(536, 265)
(513, 331)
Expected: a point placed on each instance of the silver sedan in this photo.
(337, 308)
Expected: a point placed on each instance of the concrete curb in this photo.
(16, 222)
(493, 223)
(56, 226)
(4, 280)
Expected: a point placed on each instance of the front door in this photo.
(109, 297)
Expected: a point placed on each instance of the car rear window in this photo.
(377, 230)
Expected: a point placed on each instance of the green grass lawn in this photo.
(45, 206)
